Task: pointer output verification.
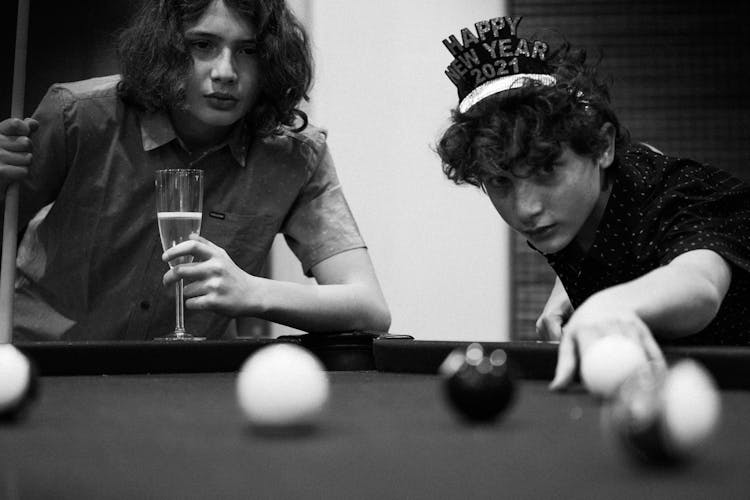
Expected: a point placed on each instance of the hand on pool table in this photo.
(15, 148)
(556, 312)
(591, 322)
(212, 281)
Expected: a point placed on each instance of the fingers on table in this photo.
(567, 361)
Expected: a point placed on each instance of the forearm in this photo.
(347, 295)
(323, 308)
(675, 300)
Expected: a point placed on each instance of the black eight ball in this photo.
(478, 387)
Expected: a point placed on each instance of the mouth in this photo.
(224, 96)
(221, 100)
(539, 231)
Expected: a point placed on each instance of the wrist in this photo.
(258, 296)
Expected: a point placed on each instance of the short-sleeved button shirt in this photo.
(89, 264)
(659, 208)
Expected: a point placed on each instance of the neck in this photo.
(197, 137)
(585, 237)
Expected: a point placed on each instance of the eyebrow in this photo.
(207, 34)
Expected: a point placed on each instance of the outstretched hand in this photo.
(212, 281)
(586, 326)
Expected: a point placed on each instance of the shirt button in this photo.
(145, 304)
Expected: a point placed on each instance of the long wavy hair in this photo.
(524, 129)
(155, 59)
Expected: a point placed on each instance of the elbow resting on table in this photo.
(378, 319)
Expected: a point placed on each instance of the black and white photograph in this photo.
(295, 249)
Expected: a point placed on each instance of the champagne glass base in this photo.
(185, 337)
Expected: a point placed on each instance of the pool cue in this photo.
(10, 222)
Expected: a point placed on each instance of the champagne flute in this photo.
(179, 209)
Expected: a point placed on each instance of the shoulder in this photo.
(103, 87)
(93, 97)
(655, 173)
(644, 164)
(308, 145)
(688, 205)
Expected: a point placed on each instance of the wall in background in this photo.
(71, 41)
(679, 72)
(680, 66)
(440, 250)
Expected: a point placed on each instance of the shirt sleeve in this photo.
(320, 223)
(705, 208)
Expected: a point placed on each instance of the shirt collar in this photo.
(615, 215)
(157, 131)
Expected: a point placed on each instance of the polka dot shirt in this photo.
(659, 208)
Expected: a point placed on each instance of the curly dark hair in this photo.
(524, 129)
(155, 58)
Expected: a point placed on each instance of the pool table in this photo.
(138, 420)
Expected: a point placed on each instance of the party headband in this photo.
(494, 59)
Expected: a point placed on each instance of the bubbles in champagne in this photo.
(176, 227)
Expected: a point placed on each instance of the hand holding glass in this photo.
(179, 209)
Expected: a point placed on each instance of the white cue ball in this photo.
(608, 362)
(282, 385)
(691, 406)
(15, 376)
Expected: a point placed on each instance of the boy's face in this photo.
(224, 82)
(555, 205)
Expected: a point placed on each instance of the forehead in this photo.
(219, 19)
(526, 166)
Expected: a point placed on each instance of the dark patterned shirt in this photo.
(659, 208)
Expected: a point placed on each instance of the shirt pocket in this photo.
(247, 238)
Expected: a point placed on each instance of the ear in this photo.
(607, 131)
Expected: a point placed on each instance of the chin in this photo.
(219, 119)
(552, 245)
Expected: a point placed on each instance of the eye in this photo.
(548, 170)
(201, 45)
(249, 49)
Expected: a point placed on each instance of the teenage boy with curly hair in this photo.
(206, 84)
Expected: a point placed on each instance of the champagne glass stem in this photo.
(179, 310)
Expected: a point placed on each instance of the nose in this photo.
(223, 69)
(529, 202)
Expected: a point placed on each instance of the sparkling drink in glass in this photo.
(179, 211)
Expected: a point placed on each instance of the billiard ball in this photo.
(18, 383)
(608, 362)
(665, 416)
(478, 387)
(282, 385)
(691, 406)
